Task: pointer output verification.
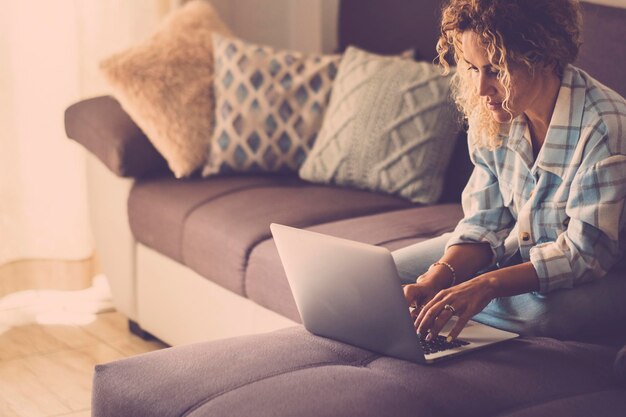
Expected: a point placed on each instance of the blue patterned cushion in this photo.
(390, 127)
(269, 106)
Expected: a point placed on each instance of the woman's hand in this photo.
(470, 297)
(424, 289)
(466, 300)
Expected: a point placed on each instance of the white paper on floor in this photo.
(73, 308)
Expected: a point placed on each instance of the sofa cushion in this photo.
(605, 403)
(212, 225)
(269, 106)
(293, 373)
(620, 365)
(219, 236)
(159, 207)
(266, 282)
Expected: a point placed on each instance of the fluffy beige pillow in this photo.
(166, 84)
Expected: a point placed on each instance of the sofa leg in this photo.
(136, 329)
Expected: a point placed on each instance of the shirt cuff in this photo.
(552, 266)
(469, 233)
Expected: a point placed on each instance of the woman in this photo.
(544, 207)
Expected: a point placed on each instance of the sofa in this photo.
(192, 263)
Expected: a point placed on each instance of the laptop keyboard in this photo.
(439, 344)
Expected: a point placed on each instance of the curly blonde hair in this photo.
(514, 32)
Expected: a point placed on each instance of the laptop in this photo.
(351, 292)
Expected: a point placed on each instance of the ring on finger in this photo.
(450, 308)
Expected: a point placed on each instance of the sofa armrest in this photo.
(106, 130)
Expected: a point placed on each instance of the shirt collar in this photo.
(563, 131)
(518, 139)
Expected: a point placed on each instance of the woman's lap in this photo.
(591, 308)
(579, 313)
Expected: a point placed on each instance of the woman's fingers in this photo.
(458, 327)
(464, 300)
(427, 317)
(429, 306)
(440, 321)
(414, 295)
(409, 294)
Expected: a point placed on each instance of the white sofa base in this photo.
(179, 306)
(115, 244)
(163, 297)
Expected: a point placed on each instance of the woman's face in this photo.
(525, 87)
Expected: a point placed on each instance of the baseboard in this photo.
(45, 274)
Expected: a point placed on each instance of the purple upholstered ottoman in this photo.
(293, 373)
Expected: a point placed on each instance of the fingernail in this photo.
(429, 337)
(449, 339)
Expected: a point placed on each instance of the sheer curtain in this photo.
(49, 54)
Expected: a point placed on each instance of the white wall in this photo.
(614, 3)
(304, 25)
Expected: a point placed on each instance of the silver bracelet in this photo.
(447, 265)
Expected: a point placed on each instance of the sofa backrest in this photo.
(394, 26)
(603, 54)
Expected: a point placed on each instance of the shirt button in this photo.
(525, 236)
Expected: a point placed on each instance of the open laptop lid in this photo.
(348, 291)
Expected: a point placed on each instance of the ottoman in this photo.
(294, 373)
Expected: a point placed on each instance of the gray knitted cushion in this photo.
(390, 127)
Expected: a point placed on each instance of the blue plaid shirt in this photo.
(565, 210)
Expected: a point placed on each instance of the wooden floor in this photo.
(47, 370)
